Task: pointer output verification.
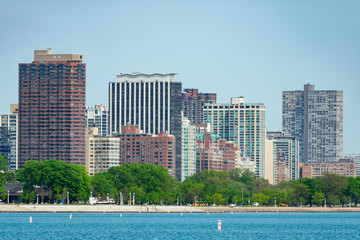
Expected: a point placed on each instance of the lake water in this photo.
(174, 226)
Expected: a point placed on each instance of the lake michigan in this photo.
(177, 226)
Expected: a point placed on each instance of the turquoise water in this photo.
(174, 226)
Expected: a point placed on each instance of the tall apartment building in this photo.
(188, 151)
(193, 103)
(9, 137)
(52, 108)
(150, 101)
(316, 118)
(355, 157)
(97, 116)
(244, 124)
(286, 156)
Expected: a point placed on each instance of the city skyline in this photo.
(251, 49)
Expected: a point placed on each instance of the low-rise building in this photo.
(343, 167)
(129, 147)
(214, 153)
(136, 147)
(101, 153)
(355, 157)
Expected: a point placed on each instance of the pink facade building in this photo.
(136, 147)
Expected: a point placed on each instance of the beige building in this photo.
(343, 167)
(269, 160)
(101, 152)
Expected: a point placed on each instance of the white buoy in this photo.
(31, 219)
(181, 213)
(120, 214)
(208, 213)
(219, 225)
(70, 216)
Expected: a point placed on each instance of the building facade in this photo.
(213, 153)
(52, 108)
(97, 116)
(188, 151)
(150, 101)
(343, 167)
(9, 126)
(101, 153)
(315, 117)
(286, 156)
(136, 147)
(193, 104)
(355, 157)
(242, 123)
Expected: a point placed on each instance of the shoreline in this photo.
(48, 208)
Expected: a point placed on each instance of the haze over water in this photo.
(175, 226)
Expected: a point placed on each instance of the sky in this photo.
(255, 49)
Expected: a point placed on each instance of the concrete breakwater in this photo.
(160, 209)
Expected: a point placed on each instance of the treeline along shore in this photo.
(141, 187)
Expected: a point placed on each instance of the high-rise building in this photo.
(9, 125)
(315, 117)
(244, 124)
(188, 151)
(193, 103)
(286, 156)
(150, 101)
(52, 108)
(98, 117)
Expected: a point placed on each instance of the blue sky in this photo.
(254, 49)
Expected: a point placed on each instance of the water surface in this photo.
(174, 226)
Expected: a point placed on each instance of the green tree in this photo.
(353, 189)
(102, 184)
(218, 198)
(11, 177)
(313, 186)
(318, 198)
(2, 176)
(261, 198)
(150, 183)
(332, 185)
(30, 175)
(56, 176)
